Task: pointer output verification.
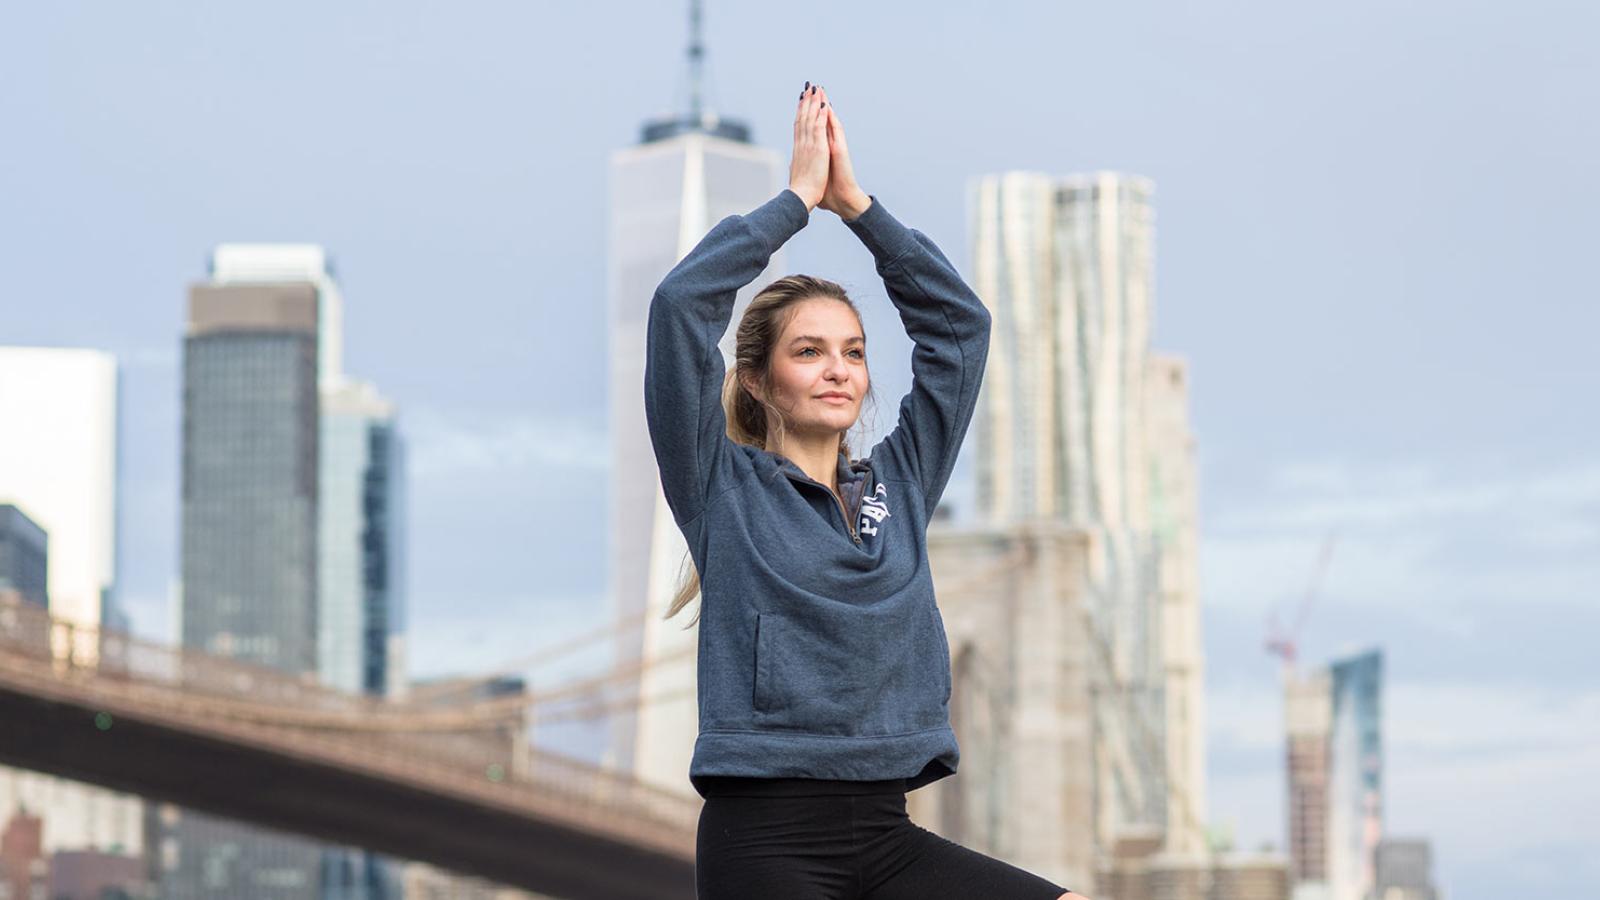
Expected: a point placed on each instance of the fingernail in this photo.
(824, 104)
(806, 88)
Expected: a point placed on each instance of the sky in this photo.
(1371, 221)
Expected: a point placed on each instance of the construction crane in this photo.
(1284, 643)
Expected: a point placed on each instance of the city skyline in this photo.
(1354, 363)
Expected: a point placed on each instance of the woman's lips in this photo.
(836, 398)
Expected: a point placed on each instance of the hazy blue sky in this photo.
(1372, 218)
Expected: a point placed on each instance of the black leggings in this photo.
(812, 839)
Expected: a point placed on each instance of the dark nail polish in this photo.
(807, 87)
(824, 104)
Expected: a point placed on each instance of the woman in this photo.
(824, 676)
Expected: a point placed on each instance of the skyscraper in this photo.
(292, 505)
(1079, 422)
(250, 473)
(686, 174)
(360, 572)
(292, 263)
(360, 584)
(1355, 775)
(1307, 721)
(58, 462)
(1335, 778)
(249, 550)
(1065, 265)
(59, 465)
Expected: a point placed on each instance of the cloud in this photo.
(460, 443)
(1408, 538)
(1316, 496)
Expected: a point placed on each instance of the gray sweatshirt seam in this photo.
(719, 495)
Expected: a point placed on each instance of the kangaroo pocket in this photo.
(944, 648)
(850, 674)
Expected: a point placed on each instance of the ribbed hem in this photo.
(920, 757)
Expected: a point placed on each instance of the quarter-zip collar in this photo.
(852, 483)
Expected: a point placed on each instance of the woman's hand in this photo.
(808, 167)
(843, 196)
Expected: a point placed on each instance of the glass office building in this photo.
(250, 474)
(360, 583)
(1355, 775)
(249, 551)
(361, 601)
(24, 556)
(293, 505)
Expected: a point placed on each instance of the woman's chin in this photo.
(830, 425)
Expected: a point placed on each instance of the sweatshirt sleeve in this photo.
(950, 327)
(683, 370)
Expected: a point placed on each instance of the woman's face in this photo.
(820, 353)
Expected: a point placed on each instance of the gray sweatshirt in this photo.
(822, 653)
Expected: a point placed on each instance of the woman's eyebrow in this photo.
(815, 338)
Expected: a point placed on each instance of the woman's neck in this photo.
(816, 455)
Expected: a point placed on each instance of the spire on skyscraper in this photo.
(697, 119)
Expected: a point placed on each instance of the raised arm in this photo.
(941, 314)
(689, 313)
(950, 327)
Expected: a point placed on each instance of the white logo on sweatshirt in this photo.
(874, 509)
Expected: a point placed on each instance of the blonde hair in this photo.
(770, 311)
